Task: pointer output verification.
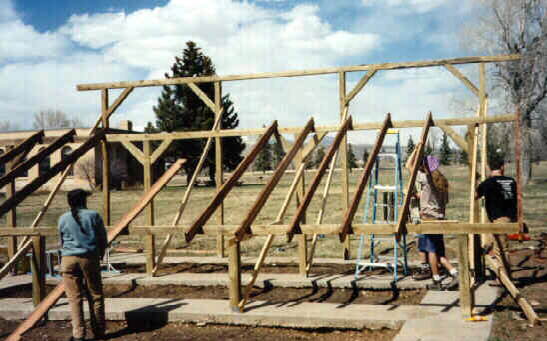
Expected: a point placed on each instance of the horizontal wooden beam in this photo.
(320, 130)
(264, 230)
(24, 146)
(297, 73)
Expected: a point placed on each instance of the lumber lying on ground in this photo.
(54, 296)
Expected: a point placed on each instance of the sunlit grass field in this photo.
(241, 199)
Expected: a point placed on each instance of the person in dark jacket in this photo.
(83, 244)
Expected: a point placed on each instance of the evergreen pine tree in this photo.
(264, 159)
(428, 150)
(278, 153)
(410, 145)
(365, 156)
(180, 109)
(319, 156)
(464, 159)
(445, 151)
(352, 160)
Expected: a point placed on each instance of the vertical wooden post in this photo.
(474, 239)
(218, 164)
(479, 269)
(149, 239)
(106, 160)
(38, 265)
(301, 238)
(344, 160)
(234, 272)
(12, 216)
(466, 294)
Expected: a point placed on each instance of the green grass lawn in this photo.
(241, 199)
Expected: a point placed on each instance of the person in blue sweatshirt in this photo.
(83, 244)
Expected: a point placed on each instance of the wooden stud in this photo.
(234, 273)
(520, 211)
(302, 240)
(383, 66)
(38, 265)
(197, 225)
(269, 187)
(466, 292)
(403, 215)
(295, 225)
(149, 242)
(12, 215)
(350, 213)
(344, 108)
(219, 162)
(105, 150)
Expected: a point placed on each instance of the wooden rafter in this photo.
(197, 225)
(19, 196)
(267, 190)
(34, 160)
(382, 66)
(295, 225)
(403, 215)
(56, 294)
(23, 147)
(346, 225)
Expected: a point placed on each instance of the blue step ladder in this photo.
(393, 196)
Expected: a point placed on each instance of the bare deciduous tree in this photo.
(51, 119)
(8, 126)
(517, 26)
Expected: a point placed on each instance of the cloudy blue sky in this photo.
(48, 47)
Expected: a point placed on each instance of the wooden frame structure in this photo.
(296, 153)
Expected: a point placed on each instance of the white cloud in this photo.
(419, 6)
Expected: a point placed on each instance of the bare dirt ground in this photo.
(530, 275)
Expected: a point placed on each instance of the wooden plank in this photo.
(320, 130)
(360, 85)
(53, 171)
(54, 295)
(136, 152)
(473, 179)
(160, 150)
(274, 180)
(234, 273)
(34, 160)
(357, 194)
(512, 289)
(403, 215)
(295, 225)
(344, 107)
(105, 151)
(149, 240)
(457, 138)
(203, 96)
(462, 78)
(230, 183)
(38, 268)
(323, 71)
(466, 292)
(189, 188)
(219, 162)
(520, 211)
(22, 147)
